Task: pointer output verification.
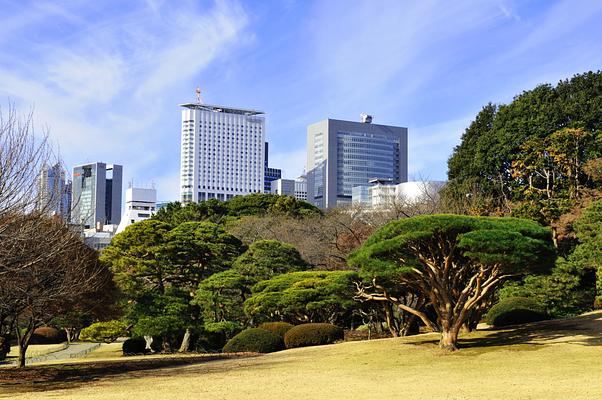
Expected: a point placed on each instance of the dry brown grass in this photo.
(551, 360)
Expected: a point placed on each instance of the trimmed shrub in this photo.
(515, 310)
(254, 340)
(47, 335)
(279, 328)
(134, 346)
(106, 332)
(312, 335)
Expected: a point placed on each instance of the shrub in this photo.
(106, 332)
(4, 347)
(47, 335)
(279, 328)
(254, 340)
(134, 346)
(515, 310)
(598, 303)
(312, 335)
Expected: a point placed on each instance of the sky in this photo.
(105, 78)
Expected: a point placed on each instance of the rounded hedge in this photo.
(134, 346)
(515, 310)
(312, 335)
(254, 340)
(47, 335)
(279, 328)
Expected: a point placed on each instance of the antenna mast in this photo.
(198, 95)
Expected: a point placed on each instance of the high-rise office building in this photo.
(54, 193)
(222, 152)
(271, 174)
(96, 194)
(344, 154)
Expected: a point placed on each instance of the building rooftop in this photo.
(214, 108)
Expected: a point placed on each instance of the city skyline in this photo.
(101, 77)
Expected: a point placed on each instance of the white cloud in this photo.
(102, 86)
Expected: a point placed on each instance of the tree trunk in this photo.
(23, 342)
(185, 341)
(149, 342)
(449, 339)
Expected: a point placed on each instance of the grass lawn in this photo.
(550, 360)
(35, 350)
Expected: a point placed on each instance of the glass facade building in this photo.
(346, 154)
(96, 194)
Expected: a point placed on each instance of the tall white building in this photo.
(140, 204)
(222, 152)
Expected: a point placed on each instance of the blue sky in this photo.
(105, 78)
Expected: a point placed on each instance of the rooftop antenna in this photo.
(198, 95)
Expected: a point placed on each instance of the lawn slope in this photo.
(549, 360)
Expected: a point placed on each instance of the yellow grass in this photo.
(35, 350)
(555, 361)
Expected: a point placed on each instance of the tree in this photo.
(47, 275)
(266, 258)
(300, 297)
(72, 322)
(153, 263)
(196, 250)
(136, 257)
(222, 295)
(456, 262)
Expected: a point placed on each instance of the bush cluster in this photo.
(515, 310)
(312, 335)
(47, 335)
(254, 340)
(133, 346)
(279, 328)
(106, 332)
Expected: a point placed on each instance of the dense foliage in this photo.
(515, 310)
(529, 156)
(313, 334)
(218, 211)
(254, 340)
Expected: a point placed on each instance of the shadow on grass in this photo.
(584, 330)
(65, 376)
